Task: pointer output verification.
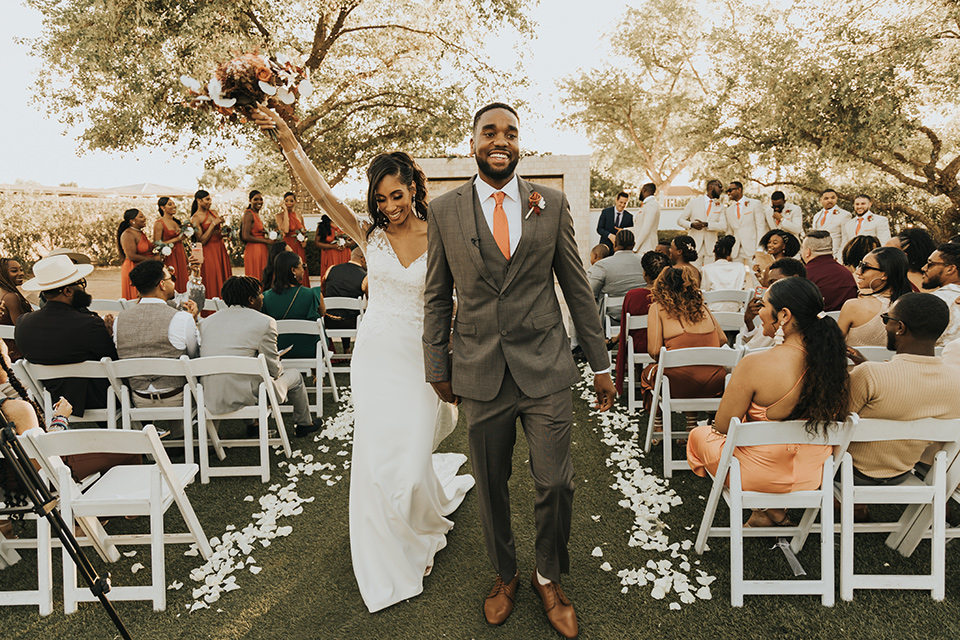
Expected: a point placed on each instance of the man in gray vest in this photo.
(153, 329)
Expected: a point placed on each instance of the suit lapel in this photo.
(466, 199)
(528, 229)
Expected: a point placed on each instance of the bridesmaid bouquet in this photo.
(162, 248)
(341, 240)
(187, 230)
(301, 238)
(238, 85)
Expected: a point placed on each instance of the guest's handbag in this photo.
(447, 415)
(290, 306)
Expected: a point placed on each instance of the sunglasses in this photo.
(863, 267)
(931, 263)
(886, 318)
(82, 283)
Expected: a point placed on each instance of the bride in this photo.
(398, 503)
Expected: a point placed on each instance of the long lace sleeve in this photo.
(314, 183)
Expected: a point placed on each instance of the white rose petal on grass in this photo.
(199, 604)
(136, 567)
(658, 593)
(706, 580)
(255, 570)
(674, 606)
(597, 552)
(175, 585)
(596, 518)
(704, 593)
(606, 566)
(129, 554)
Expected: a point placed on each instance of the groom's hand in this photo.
(445, 391)
(606, 392)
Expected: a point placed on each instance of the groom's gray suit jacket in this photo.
(508, 314)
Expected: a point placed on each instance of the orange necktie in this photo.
(738, 209)
(823, 220)
(859, 222)
(501, 230)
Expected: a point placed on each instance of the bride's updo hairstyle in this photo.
(403, 168)
(825, 396)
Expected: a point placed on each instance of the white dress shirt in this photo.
(511, 206)
(949, 293)
(182, 332)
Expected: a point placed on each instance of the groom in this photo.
(501, 241)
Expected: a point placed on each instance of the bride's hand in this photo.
(268, 119)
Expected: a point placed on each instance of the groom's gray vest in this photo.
(492, 256)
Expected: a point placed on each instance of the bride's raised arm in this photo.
(309, 177)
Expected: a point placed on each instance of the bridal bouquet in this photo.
(238, 85)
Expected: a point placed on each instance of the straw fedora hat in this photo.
(54, 272)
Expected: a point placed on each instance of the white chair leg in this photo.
(202, 435)
(69, 568)
(736, 536)
(188, 427)
(157, 559)
(264, 452)
(826, 535)
(846, 530)
(938, 540)
(666, 410)
(44, 566)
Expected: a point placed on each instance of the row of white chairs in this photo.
(925, 516)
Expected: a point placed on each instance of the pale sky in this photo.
(35, 147)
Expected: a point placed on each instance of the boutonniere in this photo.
(536, 204)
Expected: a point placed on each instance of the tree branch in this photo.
(259, 25)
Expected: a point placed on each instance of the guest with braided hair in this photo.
(242, 330)
(12, 302)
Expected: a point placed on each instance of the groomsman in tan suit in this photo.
(831, 219)
(647, 220)
(780, 214)
(702, 218)
(865, 222)
(743, 217)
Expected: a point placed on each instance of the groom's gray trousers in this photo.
(492, 434)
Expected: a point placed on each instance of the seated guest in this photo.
(678, 319)
(63, 331)
(346, 280)
(751, 336)
(856, 249)
(153, 329)
(803, 377)
(836, 283)
(941, 277)
(881, 279)
(663, 246)
(918, 245)
(598, 253)
(683, 252)
(914, 384)
(723, 274)
(241, 330)
(12, 302)
(287, 299)
(637, 303)
(780, 244)
(620, 272)
(266, 281)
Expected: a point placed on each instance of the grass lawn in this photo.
(306, 588)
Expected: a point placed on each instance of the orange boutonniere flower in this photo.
(536, 204)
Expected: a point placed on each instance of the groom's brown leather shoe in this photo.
(558, 608)
(499, 604)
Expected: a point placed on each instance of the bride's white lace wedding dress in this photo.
(400, 494)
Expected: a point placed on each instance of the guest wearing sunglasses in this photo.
(881, 278)
(941, 277)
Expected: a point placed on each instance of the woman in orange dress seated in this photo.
(251, 232)
(216, 267)
(803, 378)
(678, 319)
(168, 229)
(135, 247)
(290, 223)
(331, 253)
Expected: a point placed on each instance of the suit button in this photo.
(503, 332)
(502, 296)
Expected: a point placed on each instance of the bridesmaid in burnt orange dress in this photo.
(290, 223)
(251, 232)
(216, 267)
(168, 229)
(330, 252)
(135, 247)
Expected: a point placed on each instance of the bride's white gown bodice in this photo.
(396, 292)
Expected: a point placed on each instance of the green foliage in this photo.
(604, 190)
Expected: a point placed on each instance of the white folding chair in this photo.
(213, 304)
(834, 314)
(92, 370)
(739, 296)
(7, 331)
(267, 404)
(931, 493)
(110, 306)
(126, 490)
(42, 596)
(662, 398)
(337, 303)
(635, 359)
(728, 320)
(610, 307)
(774, 433)
(317, 367)
(122, 370)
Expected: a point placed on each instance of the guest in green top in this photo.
(287, 299)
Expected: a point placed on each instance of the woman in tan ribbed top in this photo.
(881, 279)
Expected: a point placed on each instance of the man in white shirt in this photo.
(153, 329)
(743, 217)
(941, 277)
(865, 222)
(648, 220)
(831, 219)
(702, 218)
(780, 214)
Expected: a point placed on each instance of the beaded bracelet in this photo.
(58, 423)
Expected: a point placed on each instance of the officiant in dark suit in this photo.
(613, 219)
(503, 242)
